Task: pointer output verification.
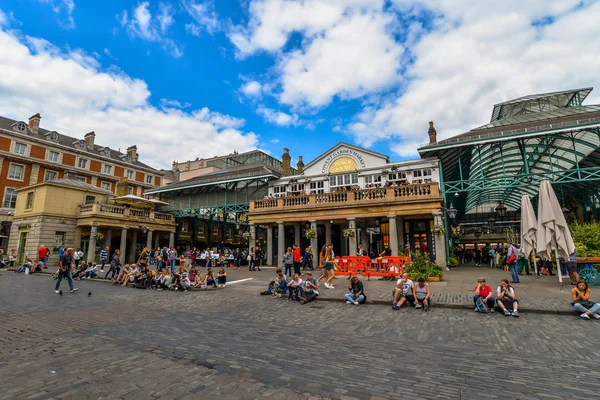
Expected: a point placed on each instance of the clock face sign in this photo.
(343, 164)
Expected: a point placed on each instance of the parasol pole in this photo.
(537, 276)
(560, 280)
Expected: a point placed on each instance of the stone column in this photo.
(314, 243)
(352, 241)
(149, 240)
(156, 239)
(252, 238)
(297, 230)
(280, 241)
(327, 233)
(108, 239)
(393, 235)
(440, 241)
(123, 247)
(131, 255)
(91, 254)
(171, 239)
(400, 231)
(77, 241)
(364, 239)
(270, 245)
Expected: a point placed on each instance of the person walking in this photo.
(329, 267)
(65, 266)
(172, 259)
(42, 254)
(115, 265)
(297, 260)
(512, 256)
(104, 258)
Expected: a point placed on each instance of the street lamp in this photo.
(501, 210)
(478, 231)
(451, 211)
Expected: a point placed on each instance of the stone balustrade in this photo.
(126, 213)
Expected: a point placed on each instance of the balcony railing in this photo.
(405, 193)
(126, 213)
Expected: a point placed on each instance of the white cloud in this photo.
(64, 12)
(204, 14)
(143, 25)
(4, 20)
(277, 117)
(192, 29)
(356, 57)
(112, 104)
(481, 54)
(168, 103)
(251, 88)
(274, 141)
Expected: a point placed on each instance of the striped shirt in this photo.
(104, 254)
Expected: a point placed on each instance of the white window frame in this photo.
(6, 189)
(82, 179)
(46, 175)
(22, 179)
(201, 229)
(130, 190)
(342, 180)
(22, 146)
(30, 196)
(110, 169)
(149, 179)
(79, 160)
(50, 152)
(129, 172)
(102, 183)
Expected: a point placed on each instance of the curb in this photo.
(450, 306)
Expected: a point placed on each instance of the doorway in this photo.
(22, 244)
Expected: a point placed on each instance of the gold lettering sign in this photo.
(344, 164)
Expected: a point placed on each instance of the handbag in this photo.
(323, 263)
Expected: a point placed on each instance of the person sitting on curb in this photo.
(221, 278)
(294, 287)
(277, 286)
(484, 292)
(80, 273)
(404, 292)
(581, 301)
(311, 289)
(358, 292)
(209, 279)
(422, 294)
(91, 272)
(130, 277)
(506, 299)
(184, 282)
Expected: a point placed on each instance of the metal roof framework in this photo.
(487, 166)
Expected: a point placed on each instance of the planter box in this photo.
(588, 260)
(433, 279)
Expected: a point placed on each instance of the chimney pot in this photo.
(132, 152)
(300, 165)
(89, 139)
(286, 160)
(34, 122)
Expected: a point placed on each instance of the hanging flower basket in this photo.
(310, 234)
(439, 230)
(348, 233)
(98, 237)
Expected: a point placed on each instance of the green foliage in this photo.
(422, 267)
(453, 261)
(586, 238)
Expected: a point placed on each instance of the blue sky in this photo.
(195, 78)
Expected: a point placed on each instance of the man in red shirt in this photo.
(297, 260)
(42, 254)
(484, 291)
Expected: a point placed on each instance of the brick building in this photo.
(30, 154)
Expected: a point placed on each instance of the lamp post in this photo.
(501, 210)
(451, 212)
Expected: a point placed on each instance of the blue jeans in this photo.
(114, 270)
(491, 302)
(62, 275)
(514, 272)
(351, 299)
(172, 266)
(103, 263)
(288, 268)
(595, 308)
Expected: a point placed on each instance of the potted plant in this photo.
(439, 230)
(98, 237)
(310, 234)
(349, 233)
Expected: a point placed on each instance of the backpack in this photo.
(481, 306)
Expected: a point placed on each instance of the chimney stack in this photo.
(286, 161)
(89, 139)
(34, 122)
(432, 133)
(132, 152)
(300, 165)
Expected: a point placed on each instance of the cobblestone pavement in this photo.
(235, 344)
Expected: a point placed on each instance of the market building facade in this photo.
(350, 196)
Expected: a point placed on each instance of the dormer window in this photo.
(20, 127)
(80, 144)
(105, 152)
(52, 136)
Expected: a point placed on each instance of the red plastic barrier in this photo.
(352, 266)
(387, 267)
